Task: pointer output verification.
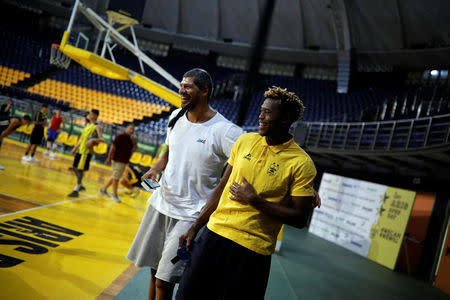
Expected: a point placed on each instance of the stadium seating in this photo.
(146, 160)
(72, 140)
(113, 108)
(62, 137)
(101, 148)
(136, 157)
(25, 55)
(10, 76)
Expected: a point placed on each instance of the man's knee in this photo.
(163, 285)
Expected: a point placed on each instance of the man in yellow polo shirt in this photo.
(268, 182)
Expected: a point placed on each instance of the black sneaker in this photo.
(73, 194)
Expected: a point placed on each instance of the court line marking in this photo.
(18, 198)
(49, 205)
(283, 272)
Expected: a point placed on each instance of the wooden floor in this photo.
(56, 247)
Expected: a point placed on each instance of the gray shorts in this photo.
(156, 243)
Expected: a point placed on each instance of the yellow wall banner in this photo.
(387, 233)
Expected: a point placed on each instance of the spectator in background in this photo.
(40, 121)
(4, 116)
(53, 131)
(120, 152)
(131, 179)
(5, 110)
(9, 126)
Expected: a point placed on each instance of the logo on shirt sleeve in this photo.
(201, 141)
(273, 169)
(248, 157)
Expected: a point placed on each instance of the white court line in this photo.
(14, 197)
(283, 271)
(48, 205)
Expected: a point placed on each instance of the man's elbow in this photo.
(301, 221)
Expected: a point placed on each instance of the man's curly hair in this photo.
(289, 101)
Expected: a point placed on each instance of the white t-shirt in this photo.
(197, 155)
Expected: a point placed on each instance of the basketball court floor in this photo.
(56, 247)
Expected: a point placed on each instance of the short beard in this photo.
(190, 106)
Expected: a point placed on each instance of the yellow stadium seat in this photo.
(21, 128)
(62, 137)
(136, 157)
(72, 140)
(29, 129)
(146, 160)
(101, 148)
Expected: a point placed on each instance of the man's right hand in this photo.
(188, 237)
(152, 174)
(73, 151)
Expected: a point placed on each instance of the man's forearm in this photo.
(111, 153)
(294, 216)
(97, 140)
(209, 208)
(161, 164)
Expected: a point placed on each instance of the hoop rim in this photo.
(56, 46)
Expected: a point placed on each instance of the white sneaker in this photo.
(26, 158)
(115, 199)
(52, 155)
(1, 167)
(34, 159)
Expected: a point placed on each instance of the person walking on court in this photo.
(90, 136)
(5, 110)
(7, 127)
(120, 152)
(268, 182)
(5, 119)
(53, 132)
(199, 141)
(40, 121)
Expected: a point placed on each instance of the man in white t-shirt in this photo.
(199, 142)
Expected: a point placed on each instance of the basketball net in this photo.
(58, 58)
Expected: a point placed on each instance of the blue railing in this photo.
(373, 136)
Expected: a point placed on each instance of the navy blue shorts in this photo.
(51, 135)
(222, 269)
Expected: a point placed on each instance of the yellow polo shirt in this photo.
(274, 172)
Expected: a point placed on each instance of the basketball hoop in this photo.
(58, 58)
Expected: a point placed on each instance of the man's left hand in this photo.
(245, 193)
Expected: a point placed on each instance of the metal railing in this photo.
(386, 135)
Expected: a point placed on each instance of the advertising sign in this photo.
(367, 218)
